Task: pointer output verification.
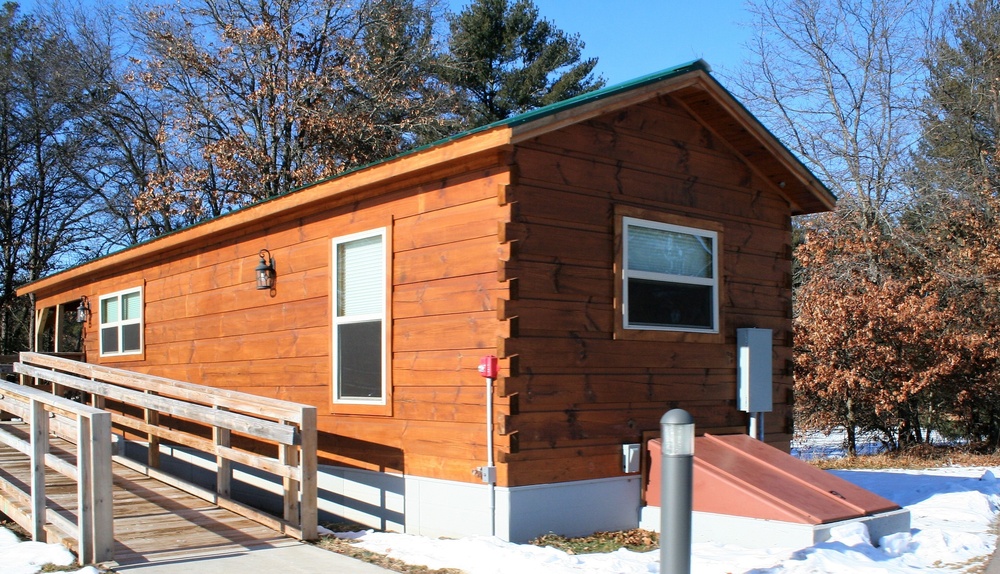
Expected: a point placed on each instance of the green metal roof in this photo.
(603, 93)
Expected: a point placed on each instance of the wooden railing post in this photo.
(90, 428)
(289, 455)
(152, 417)
(39, 448)
(102, 487)
(291, 427)
(308, 509)
(96, 401)
(84, 487)
(223, 467)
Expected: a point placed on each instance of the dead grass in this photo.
(637, 540)
(917, 457)
(47, 568)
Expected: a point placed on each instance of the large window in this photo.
(671, 277)
(359, 318)
(121, 323)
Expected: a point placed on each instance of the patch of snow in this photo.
(18, 557)
(953, 510)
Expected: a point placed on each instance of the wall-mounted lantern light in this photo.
(83, 310)
(265, 271)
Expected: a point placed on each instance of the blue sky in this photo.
(632, 38)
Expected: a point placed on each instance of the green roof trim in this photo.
(603, 93)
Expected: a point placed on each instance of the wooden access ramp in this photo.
(154, 522)
(50, 446)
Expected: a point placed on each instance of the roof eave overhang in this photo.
(765, 152)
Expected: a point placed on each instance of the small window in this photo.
(359, 319)
(671, 277)
(121, 323)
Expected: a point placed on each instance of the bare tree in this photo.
(840, 82)
(956, 209)
(45, 96)
(257, 98)
(132, 128)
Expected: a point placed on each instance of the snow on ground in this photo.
(953, 513)
(953, 510)
(17, 557)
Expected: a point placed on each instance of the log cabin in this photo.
(605, 249)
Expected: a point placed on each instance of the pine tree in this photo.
(508, 60)
(953, 219)
(961, 126)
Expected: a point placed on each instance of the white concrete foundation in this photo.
(443, 508)
(758, 533)
(568, 508)
(431, 507)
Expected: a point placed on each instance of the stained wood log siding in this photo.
(581, 393)
(206, 323)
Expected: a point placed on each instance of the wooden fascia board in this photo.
(577, 114)
(472, 144)
(773, 146)
(735, 149)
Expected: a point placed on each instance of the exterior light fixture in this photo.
(83, 310)
(265, 271)
(677, 433)
(676, 490)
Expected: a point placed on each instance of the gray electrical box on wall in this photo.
(630, 458)
(753, 370)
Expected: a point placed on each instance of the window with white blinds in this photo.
(360, 277)
(121, 323)
(359, 345)
(671, 277)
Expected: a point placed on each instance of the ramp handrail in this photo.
(90, 429)
(278, 437)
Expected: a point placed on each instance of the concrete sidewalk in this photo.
(291, 558)
(993, 566)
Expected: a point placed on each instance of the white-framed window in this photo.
(359, 318)
(121, 323)
(671, 277)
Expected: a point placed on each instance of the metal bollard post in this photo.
(677, 450)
